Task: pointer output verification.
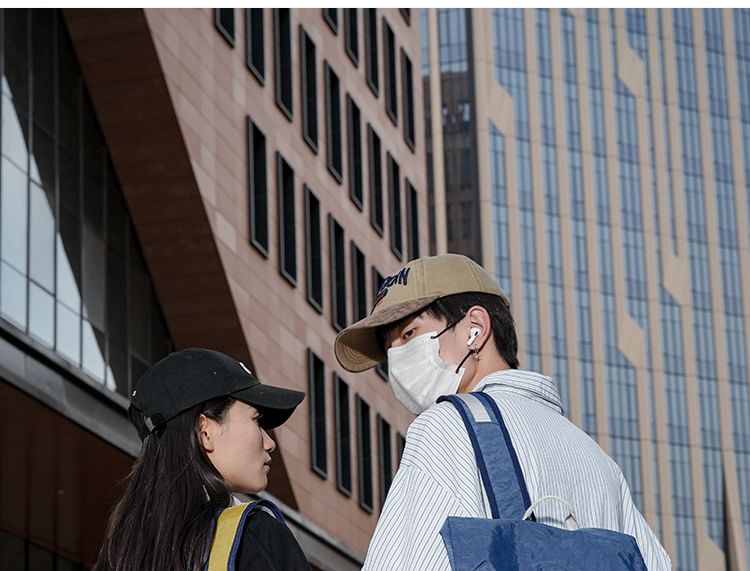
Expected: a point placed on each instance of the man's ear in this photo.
(480, 318)
(205, 433)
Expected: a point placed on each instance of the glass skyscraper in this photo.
(598, 162)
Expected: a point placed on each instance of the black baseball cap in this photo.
(189, 377)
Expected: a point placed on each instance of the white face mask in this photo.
(417, 374)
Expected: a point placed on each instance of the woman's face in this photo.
(238, 447)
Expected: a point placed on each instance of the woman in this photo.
(203, 418)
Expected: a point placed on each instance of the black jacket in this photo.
(268, 545)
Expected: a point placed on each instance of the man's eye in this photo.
(408, 334)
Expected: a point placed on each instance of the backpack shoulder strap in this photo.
(495, 455)
(228, 533)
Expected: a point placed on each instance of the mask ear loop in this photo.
(475, 352)
(447, 327)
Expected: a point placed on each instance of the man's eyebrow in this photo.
(394, 329)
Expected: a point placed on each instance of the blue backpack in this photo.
(511, 540)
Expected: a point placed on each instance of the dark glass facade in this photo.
(72, 277)
(79, 317)
(459, 144)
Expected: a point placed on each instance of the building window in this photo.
(283, 30)
(338, 274)
(333, 123)
(255, 43)
(313, 249)
(317, 393)
(377, 279)
(359, 287)
(371, 49)
(257, 187)
(375, 168)
(287, 234)
(406, 14)
(309, 90)
(331, 16)
(385, 457)
(72, 274)
(412, 224)
(343, 436)
(351, 34)
(389, 61)
(408, 100)
(394, 203)
(354, 122)
(364, 455)
(224, 22)
(400, 445)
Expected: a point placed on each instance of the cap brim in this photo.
(276, 404)
(357, 348)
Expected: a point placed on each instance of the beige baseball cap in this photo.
(411, 289)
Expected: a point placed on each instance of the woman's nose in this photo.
(268, 443)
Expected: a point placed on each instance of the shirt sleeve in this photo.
(422, 495)
(407, 536)
(268, 545)
(633, 523)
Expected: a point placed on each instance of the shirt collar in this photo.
(528, 384)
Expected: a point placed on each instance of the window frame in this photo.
(407, 103)
(375, 180)
(337, 274)
(316, 385)
(364, 461)
(359, 283)
(333, 23)
(310, 251)
(354, 152)
(343, 436)
(308, 91)
(250, 32)
(390, 76)
(394, 207)
(372, 69)
(333, 132)
(385, 457)
(226, 34)
(412, 220)
(351, 28)
(252, 128)
(282, 195)
(279, 68)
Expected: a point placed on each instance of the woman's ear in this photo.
(204, 433)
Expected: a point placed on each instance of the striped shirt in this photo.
(438, 477)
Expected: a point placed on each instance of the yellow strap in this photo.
(226, 531)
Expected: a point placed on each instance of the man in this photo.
(445, 326)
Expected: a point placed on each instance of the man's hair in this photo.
(453, 307)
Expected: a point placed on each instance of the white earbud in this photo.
(473, 334)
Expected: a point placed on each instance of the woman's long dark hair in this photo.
(172, 494)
